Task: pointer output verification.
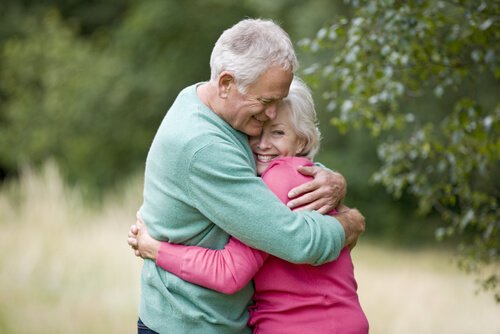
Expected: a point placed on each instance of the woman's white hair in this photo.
(303, 117)
(249, 48)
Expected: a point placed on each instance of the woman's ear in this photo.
(226, 81)
(300, 147)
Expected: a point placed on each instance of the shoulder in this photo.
(193, 127)
(282, 175)
(287, 164)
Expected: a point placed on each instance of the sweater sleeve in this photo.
(225, 190)
(226, 270)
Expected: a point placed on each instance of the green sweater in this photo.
(200, 187)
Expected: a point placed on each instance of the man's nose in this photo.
(271, 111)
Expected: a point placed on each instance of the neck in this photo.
(208, 95)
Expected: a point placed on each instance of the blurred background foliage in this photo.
(406, 92)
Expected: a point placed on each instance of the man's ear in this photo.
(225, 83)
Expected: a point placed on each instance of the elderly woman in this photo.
(289, 298)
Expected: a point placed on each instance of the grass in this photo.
(66, 268)
(420, 291)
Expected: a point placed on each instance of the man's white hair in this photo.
(249, 48)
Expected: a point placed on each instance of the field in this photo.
(420, 291)
(66, 268)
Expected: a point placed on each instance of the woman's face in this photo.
(278, 139)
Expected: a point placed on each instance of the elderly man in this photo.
(201, 184)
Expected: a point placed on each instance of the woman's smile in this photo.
(265, 158)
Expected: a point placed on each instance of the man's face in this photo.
(249, 111)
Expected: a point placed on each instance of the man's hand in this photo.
(353, 223)
(322, 194)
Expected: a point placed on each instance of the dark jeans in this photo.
(143, 329)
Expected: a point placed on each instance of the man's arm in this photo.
(228, 193)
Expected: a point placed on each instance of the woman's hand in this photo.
(322, 194)
(132, 239)
(140, 240)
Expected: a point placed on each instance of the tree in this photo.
(422, 77)
(62, 96)
(86, 83)
(90, 96)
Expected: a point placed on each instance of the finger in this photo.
(132, 242)
(305, 188)
(313, 206)
(324, 209)
(304, 200)
(318, 194)
(308, 170)
(132, 234)
(316, 206)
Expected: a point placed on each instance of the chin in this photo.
(261, 168)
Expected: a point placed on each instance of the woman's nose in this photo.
(263, 143)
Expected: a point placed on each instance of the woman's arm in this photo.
(226, 270)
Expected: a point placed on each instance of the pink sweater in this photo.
(289, 298)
